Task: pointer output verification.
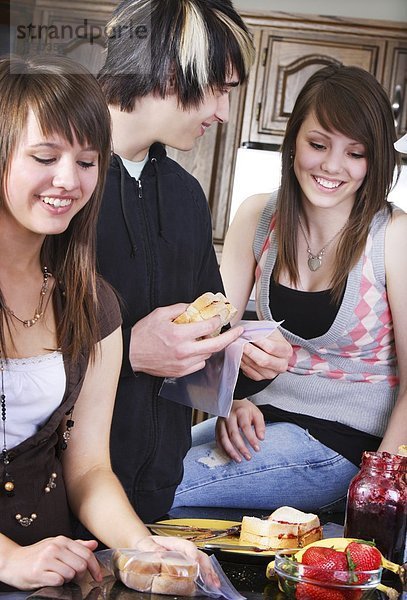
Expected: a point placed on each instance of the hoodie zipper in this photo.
(155, 385)
(149, 252)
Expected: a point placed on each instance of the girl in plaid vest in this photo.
(327, 254)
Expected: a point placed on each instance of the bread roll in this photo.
(137, 571)
(207, 306)
(158, 572)
(177, 565)
(175, 586)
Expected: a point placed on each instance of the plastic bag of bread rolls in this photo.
(164, 572)
(169, 573)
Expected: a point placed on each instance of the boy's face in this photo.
(180, 128)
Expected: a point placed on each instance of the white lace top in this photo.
(34, 388)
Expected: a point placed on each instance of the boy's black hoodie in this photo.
(155, 248)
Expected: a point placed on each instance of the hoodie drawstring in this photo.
(159, 198)
(126, 219)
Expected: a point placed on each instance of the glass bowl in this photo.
(309, 582)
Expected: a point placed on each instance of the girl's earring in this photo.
(291, 158)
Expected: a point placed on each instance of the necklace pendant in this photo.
(26, 521)
(314, 263)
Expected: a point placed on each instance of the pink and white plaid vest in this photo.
(358, 348)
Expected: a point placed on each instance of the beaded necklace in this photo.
(39, 311)
(8, 484)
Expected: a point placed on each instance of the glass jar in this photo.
(377, 504)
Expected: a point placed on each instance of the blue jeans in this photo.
(292, 468)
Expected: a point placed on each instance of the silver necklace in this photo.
(315, 260)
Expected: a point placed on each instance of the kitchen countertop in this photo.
(248, 575)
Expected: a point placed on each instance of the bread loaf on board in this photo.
(286, 527)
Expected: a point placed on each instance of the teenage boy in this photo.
(170, 67)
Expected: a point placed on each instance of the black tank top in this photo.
(309, 315)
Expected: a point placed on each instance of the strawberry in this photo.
(363, 557)
(306, 591)
(318, 555)
(327, 564)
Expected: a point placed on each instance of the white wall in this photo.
(390, 10)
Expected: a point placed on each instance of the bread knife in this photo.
(241, 547)
(197, 534)
(245, 548)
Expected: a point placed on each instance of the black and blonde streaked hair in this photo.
(351, 101)
(66, 100)
(178, 46)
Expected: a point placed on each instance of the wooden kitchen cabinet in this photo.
(290, 49)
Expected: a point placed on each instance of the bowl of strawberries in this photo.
(325, 573)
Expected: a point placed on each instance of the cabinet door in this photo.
(395, 82)
(288, 59)
(73, 29)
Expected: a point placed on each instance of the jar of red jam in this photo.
(377, 504)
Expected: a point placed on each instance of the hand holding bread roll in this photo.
(207, 306)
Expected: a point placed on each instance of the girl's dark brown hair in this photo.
(351, 101)
(66, 100)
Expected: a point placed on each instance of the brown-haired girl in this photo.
(60, 340)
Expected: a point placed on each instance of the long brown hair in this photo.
(67, 100)
(351, 101)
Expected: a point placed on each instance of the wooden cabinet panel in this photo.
(395, 82)
(289, 59)
(71, 28)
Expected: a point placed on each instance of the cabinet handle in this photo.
(397, 104)
(258, 111)
(264, 57)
